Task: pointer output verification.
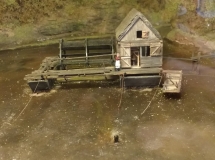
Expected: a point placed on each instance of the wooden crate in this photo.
(172, 81)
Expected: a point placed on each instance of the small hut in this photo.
(138, 42)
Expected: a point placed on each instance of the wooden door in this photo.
(125, 57)
(155, 50)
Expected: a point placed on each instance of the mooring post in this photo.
(198, 67)
(86, 51)
(60, 48)
(195, 61)
(116, 138)
(112, 49)
(121, 83)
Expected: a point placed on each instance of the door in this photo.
(155, 50)
(125, 57)
(135, 56)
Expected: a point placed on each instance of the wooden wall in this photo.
(132, 34)
(145, 61)
(131, 40)
(150, 62)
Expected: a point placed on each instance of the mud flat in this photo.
(78, 121)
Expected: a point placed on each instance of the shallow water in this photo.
(78, 121)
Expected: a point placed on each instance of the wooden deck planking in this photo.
(91, 71)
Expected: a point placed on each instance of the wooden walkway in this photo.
(95, 58)
(107, 71)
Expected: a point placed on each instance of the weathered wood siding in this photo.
(130, 40)
(132, 34)
(156, 47)
(125, 53)
(151, 62)
(140, 42)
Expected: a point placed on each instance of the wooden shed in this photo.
(138, 42)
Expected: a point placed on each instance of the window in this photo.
(142, 34)
(139, 34)
(145, 51)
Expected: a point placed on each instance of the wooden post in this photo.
(112, 49)
(199, 55)
(120, 80)
(86, 50)
(60, 54)
(198, 67)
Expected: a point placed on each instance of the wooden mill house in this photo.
(138, 42)
(139, 45)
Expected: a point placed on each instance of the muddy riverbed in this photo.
(79, 121)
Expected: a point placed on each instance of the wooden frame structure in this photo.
(136, 34)
(140, 47)
(172, 81)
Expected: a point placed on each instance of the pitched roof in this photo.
(128, 22)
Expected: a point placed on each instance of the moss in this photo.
(12, 44)
(171, 9)
(209, 5)
(155, 17)
(10, 2)
(31, 20)
(24, 34)
(172, 34)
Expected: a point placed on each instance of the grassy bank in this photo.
(54, 40)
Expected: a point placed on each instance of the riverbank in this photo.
(26, 24)
(53, 40)
(204, 44)
(198, 43)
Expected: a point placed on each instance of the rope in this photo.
(187, 59)
(120, 102)
(122, 89)
(152, 97)
(27, 103)
(204, 75)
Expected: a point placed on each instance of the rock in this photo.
(181, 10)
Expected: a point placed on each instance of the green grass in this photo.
(87, 17)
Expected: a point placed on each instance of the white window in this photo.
(142, 34)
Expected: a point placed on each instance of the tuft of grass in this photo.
(24, 34)
(10, 2)
(171, 35)
(209, 5)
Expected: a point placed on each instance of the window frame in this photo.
(142, 34)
